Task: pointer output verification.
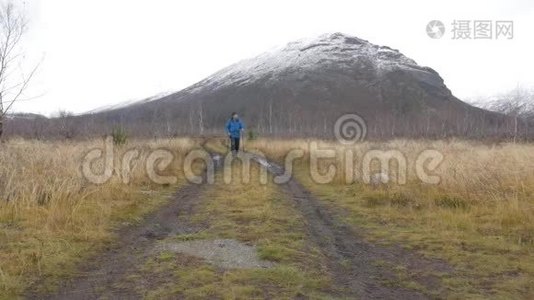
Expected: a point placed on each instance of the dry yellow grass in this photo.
(480, 217)
(502, 174)
(51, 216)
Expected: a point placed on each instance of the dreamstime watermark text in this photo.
(326, 162)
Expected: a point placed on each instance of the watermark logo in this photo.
(435, 29)
(350, 128)
(472, 29)
(326, 163)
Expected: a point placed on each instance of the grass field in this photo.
(480, 217)
(51, 217)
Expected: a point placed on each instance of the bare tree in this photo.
(13, 82)
(201, 119)
(518, 104)
(65, 120)
(271, 117)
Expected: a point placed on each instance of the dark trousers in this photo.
(234, 142)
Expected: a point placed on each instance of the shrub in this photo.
(119, 136)
(450, 202)
(252, 135)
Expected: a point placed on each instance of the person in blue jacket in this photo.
(234, 128)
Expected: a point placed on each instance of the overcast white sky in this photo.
(100, 52)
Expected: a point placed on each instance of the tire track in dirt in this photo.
(102, 275)
(351, 259)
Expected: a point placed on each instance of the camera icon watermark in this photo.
(435, 29)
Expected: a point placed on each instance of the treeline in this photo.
(382, 126)
(506, 117)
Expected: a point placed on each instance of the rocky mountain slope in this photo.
(302, 88)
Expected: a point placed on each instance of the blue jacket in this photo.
(234, 127)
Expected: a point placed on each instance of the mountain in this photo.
(24, 116)
(302, 88)
(128, 103)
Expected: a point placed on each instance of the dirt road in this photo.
(358, 268)
(100, 277)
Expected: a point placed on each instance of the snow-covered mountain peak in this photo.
(304, 87)
(327, 51)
